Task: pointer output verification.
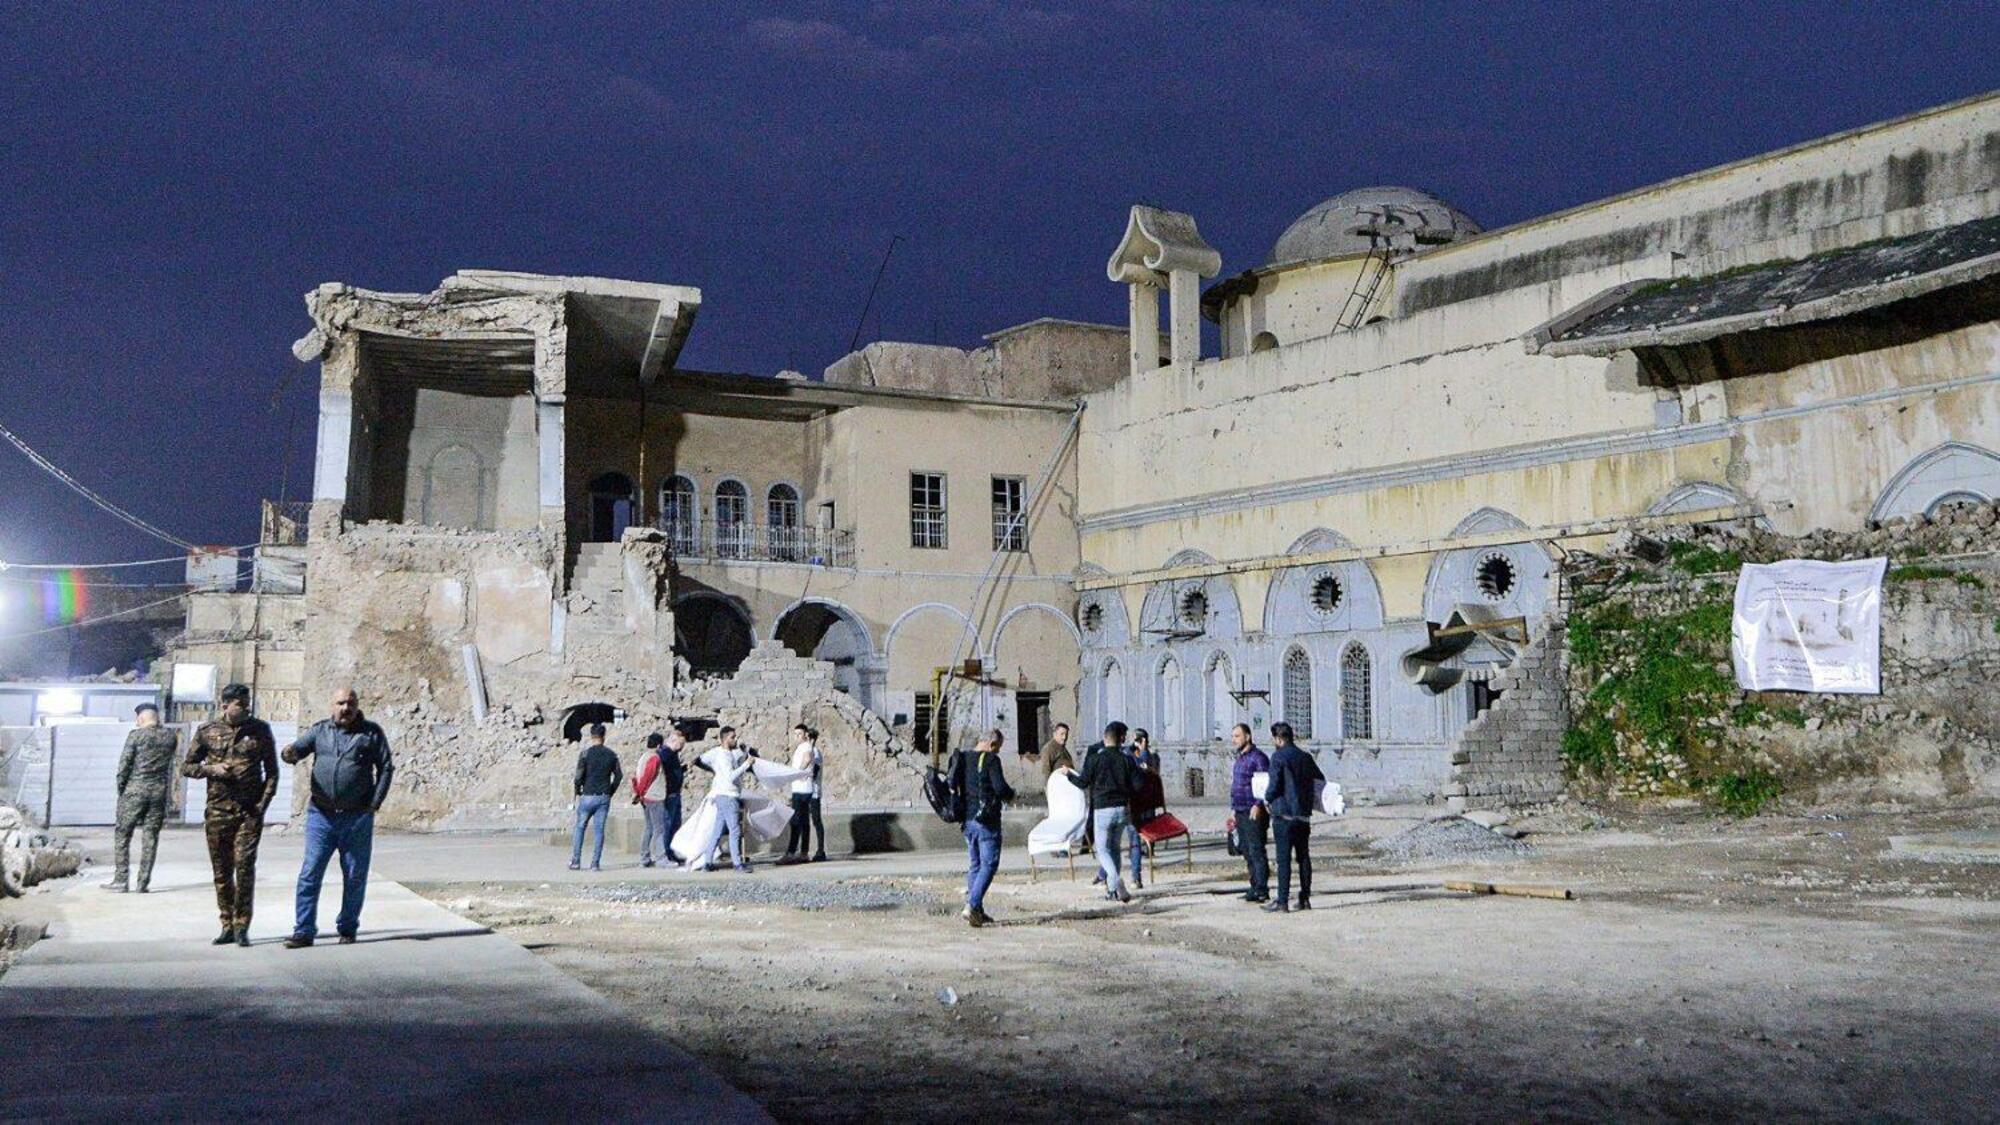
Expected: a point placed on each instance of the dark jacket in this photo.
(351, 768)
(597, 771)
(1249, 763)
(673, 771)
(985, 787)
(146, 765)
(1108, 776)
(1292, 793)
(239, 762)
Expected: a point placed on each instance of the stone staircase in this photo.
(597, 589)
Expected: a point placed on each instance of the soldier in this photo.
(145, 778)
(238, 757)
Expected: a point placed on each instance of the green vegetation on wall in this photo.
(1662, 709)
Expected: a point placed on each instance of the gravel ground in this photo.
(845, 894)
(1777, 969)
(1447, 840)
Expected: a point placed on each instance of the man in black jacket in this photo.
(1291, 797)
(597, 777)
(1108, 777)
(350, 778)
(984, 787)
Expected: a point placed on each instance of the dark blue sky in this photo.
(175, 179)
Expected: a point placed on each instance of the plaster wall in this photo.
(604, 436)
(1879, 181)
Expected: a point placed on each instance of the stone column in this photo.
(1183, 317)
(1143, 327)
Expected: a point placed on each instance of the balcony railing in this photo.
(284, 523)
(756, 542)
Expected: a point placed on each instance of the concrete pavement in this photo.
(126, 1012)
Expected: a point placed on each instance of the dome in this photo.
(1327, 231)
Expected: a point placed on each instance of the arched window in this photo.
(732, 518)
(1110, 694)
(679, 514)
(1299, 693)
(1263, 342)
(1951, 498)
(1167, 705)
(1221, 704)
(1356, 694)
(781, 515)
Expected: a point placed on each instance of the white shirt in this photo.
(806, 758)
(729, 765)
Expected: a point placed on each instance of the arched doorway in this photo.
(711, 633)
(578, 717)
(614, 506)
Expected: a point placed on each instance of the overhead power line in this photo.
(89, 494)
(6, 566)
(99, 619)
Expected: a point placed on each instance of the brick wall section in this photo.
(1512, 754)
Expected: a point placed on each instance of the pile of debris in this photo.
(1450, 838)
(30, 855)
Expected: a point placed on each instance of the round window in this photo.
(1194, 607)
(1495, 577)
(1326, 593)
(1093, 618)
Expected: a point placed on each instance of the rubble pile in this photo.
(1450, 838)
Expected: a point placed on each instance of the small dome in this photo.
(1416, 219)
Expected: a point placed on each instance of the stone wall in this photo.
(1931, 737)
(1512, 753)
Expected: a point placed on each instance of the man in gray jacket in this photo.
(350, 776)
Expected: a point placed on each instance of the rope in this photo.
(86, 492)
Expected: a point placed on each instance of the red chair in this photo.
(1156, 824)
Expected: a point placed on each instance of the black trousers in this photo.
(1294, 840)
(806, 824)
(1250, 836)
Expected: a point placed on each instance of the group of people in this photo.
(726, 812)
(1121, 783)
(236, 756)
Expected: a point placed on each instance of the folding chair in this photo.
(1067, 854)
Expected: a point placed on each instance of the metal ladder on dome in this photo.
(1366, 283)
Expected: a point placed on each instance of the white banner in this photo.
(1809, 626)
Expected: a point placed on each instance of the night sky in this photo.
(175, 179)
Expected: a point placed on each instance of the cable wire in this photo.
(87, 493)
(6, 566)
(102, 617)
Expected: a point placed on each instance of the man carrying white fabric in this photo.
(728, 762)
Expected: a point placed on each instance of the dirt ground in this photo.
(1775, 968)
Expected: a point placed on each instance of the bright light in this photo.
(59, 703)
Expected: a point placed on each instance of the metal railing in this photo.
(756, 542)
(284, 523)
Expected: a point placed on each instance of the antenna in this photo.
(870, 302)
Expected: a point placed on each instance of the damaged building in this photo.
(527, 513)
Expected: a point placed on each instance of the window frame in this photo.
(1016, 539)
(926, 518)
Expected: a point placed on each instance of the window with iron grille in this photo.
(781, 517)
(927, 527)
(678, 513)
(1299, 693)
(1010, 526)
(732, 514)
(1356, 694)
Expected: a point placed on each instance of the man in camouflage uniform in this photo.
(145, 780)
(238, 757)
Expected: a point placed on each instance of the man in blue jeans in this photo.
(1109, 776)
(598, 775)
(984, 788)
(350, 776)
